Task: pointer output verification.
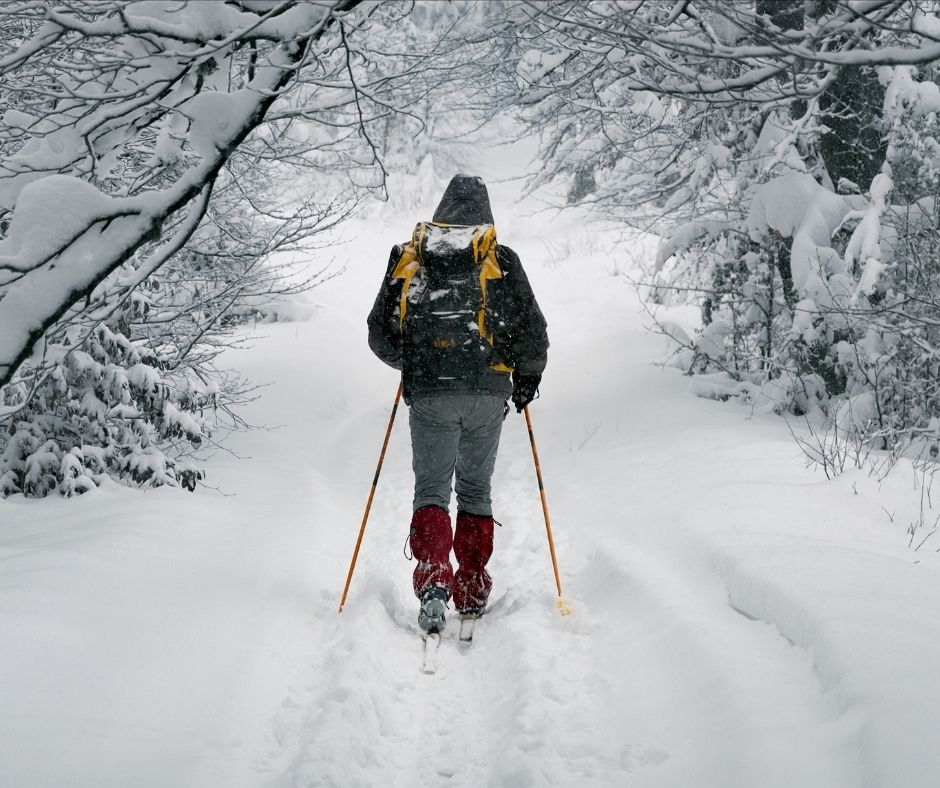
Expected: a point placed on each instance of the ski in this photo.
(467, 624)
(432, 643)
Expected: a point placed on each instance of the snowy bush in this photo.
(131, 390)
(109, 408)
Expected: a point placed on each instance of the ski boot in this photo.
(433, 607)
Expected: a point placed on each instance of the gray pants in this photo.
(455, 432)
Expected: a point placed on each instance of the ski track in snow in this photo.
(654, 681)
(649, 681)
(246, 675)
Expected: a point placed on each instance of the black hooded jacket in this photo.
(518, 339)
(465, 201)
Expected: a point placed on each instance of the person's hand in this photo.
(525, 388)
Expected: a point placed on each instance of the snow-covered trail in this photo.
(162, 638)
(655, 678)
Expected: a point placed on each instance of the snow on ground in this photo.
(738, 620)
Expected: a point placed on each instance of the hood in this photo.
(465, 201)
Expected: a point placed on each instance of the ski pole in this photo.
(365, 516)
(563, 606)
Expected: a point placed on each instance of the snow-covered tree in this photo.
(753, 137)
(153, 157)
(122, 117)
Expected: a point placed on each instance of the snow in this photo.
(55, 150)
(143, 377)
(205, 20)
(870, 275)
(776, 148)
(794, 205)
(34, 237)
(217, 117)
(738, 620)
(441, 240)
(864, 244)
(18, 119)
(648, 104)
(61, 206)
(535, 64)
(174, 417)
(857, 412)
(684, 235)
(50, 285)
(902, 91)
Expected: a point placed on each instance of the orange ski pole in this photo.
(562, 604)
(365, 516)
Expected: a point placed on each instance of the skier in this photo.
(455, 313)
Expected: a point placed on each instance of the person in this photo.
(456, 314)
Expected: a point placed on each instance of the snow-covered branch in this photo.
(103, 93)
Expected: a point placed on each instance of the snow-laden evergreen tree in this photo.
(112, 407)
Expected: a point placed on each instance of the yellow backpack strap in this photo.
(484, 240)
(484, 250)
(407, 267)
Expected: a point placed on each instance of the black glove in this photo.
(525, 388)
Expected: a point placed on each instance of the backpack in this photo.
(444, 317)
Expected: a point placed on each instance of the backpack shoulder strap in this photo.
(407, 267)
(484, 251)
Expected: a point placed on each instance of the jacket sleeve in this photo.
(528, 335)
(384, 331)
